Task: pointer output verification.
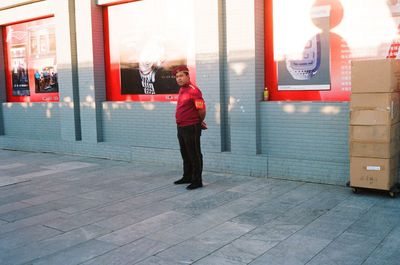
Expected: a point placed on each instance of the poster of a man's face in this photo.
(145, 50)
(150, 72)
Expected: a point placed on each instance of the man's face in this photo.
(182, 78)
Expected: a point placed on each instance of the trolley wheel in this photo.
(355, 190)
(392, 194)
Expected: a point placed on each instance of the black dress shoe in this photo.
(182, 181)
(194, 186)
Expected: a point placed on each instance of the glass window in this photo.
(310, 46)
(31, 61)
(145, 40)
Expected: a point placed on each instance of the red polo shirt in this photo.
(190, 100)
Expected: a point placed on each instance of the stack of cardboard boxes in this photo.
(374, 135)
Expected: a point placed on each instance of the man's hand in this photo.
(203, 125)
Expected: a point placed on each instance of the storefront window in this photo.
(310, 46)
(145, 40)
(31, 62)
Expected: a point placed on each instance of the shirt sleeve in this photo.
(198, 99)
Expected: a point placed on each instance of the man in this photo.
(37, 81)
(190, 114)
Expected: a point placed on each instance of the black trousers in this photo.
(189, 142)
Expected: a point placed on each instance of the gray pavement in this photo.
(58, 210)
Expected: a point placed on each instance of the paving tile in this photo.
(130, 253)
(20, 189)
(378, 221)
(203, 222)
(12, 165)
(320, 228)
(274, 231)
(154, 260)
(379, 261)
(348, 249)
(187, 252)
(24, 169)
(69, 189)
(25, 236)
(76, 254)
(37, 219)
(29, 211)
(210, 202)
(251, 186)
(362, 202)
(224, 234)
(185, 230)
(7, 181)
(187, 197)
(156, 195)
(78, 220)
(243, 250)
(217, 260)
(295, 250)
(138, 230)
(105, 195)
(133, 216)
(263, 213)
(37, 250)
(209, 241)
(41, 199)
(15, 197)
(13, 206)
(74, 204)
(388, 251)
(301, 194)
(341, 212)
(300, 215)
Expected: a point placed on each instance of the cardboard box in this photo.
(373, 173)
(375, 133)
(374, 149)
(375, 76)
(374, 109)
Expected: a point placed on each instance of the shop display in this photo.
(32, 65)
(142, 51)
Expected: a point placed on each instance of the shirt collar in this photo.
(187, 85)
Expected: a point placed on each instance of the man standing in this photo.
(190, 114)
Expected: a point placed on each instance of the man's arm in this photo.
(200, 105)
(202, 114)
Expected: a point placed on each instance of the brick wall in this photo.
(32, 120)
(306, 140)
(140, 124)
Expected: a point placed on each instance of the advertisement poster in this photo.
(310, 46)
(19, 73)
(32, 64)
(43, 57)
(145, 70)
(309, 69)
(144, 50)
